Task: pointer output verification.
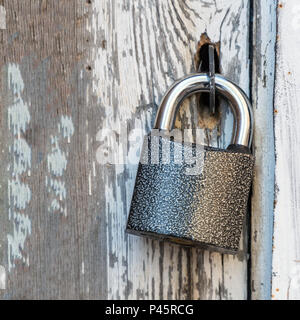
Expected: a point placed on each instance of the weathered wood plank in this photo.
(155, 44)
(286, 251)
(52, 244)
(263, 74)
(70, 69)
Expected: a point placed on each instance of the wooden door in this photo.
(77, 75)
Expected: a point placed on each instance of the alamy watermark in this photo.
(131, 146)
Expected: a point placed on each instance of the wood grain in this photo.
(286, 250)
(158, 41)
(70, 69)
(263, 75)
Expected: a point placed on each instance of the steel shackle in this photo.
(199, 82)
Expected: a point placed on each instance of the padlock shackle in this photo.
(199, 82)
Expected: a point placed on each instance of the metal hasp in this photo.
(239, 103)
(212, 85)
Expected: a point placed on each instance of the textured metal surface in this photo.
(206, 209)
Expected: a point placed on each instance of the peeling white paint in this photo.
(22, 157)
(18, 112)
(16, 241)
(94, 169)
(15, 80)
(90, 184)
(67, 127)
(57, 160)
(18, 117)
(82, 267)
(59, 188)
(57, 165)
(2, 18)
(19, 193)
(2, 278)
(55, 206)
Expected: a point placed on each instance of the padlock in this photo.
(206, 209)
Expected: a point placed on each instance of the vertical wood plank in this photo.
(286, 251)
(263, 75)
(52, 243)
(145, 48)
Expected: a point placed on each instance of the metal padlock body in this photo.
(205, 209)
